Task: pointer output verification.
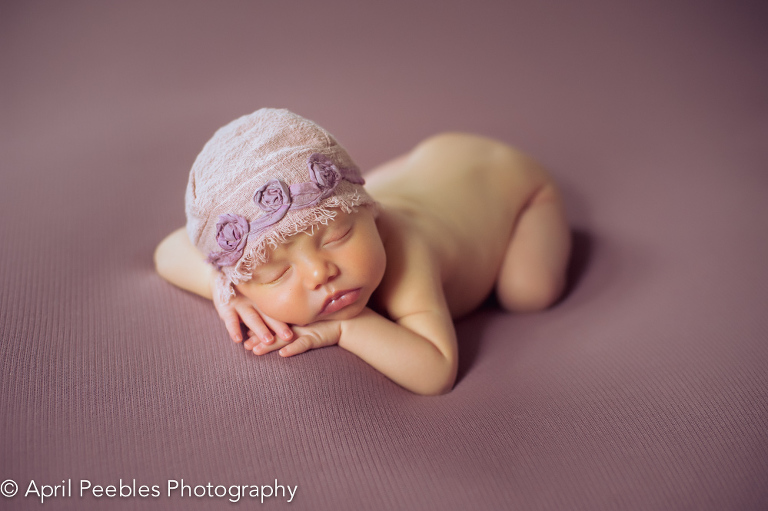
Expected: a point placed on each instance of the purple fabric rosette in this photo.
(275, 198)
(231, 235)
(323, 172)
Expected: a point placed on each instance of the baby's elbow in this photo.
(436, 388)
(440, 382)
(441, 389)
(162, 260)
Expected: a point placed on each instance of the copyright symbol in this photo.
(9, 488)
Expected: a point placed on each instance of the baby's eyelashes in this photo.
(272, 277)
(338, 235)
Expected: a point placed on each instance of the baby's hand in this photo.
(240, 309)
(316, 335)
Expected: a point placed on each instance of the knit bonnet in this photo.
(260, 179)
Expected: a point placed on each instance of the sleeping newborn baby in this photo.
(284, 238)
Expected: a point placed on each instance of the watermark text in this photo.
(131, 488)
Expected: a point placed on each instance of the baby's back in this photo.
(459, 194)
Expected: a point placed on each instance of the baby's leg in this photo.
(532, 275)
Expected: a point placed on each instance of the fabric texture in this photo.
(644, 388)
(260, 179)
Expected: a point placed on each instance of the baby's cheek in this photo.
(285, 306)
(372, 261)
(262, 300)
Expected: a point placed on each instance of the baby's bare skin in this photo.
(463, 196)
(460, 215)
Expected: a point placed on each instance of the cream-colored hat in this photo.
(260, 179)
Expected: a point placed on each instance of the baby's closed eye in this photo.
(272, 276)
(338, 235)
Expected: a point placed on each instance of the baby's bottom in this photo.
(532, 275)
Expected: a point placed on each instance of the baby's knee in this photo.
(530, 293)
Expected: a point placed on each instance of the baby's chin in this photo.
(346, 313)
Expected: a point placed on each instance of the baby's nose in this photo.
(320, 272)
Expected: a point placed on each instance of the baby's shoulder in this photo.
(412, 279)
(407, 235)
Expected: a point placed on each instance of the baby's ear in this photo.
(374, 208)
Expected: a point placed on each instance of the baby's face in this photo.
(328, 275)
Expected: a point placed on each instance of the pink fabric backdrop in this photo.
(646, 388)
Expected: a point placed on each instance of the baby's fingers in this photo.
(282, 330)
(300, 345)
(256, 324)
(259, 348)
(232, 323)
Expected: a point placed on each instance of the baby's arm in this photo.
(417, 348)
(181, 264)
(418, 351)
